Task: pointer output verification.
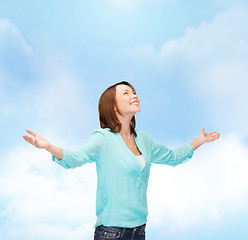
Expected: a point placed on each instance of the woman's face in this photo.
(127, 101)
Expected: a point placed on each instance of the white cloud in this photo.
(39, 200)
(10, 34)
(45, 201)
(213, 60)
(215, 184)
(17, 57)
(61, 101)
(211, 186)
(42, 201)
(17, 66)
(44, 87)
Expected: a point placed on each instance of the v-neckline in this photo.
(132, 154)
(128, 147)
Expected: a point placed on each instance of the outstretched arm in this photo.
(203, 138)
(41, 142)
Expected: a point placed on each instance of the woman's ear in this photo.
(115, 109)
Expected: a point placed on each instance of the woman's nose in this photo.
(135, 97)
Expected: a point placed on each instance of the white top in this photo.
(142, 161)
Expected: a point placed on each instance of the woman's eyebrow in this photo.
(128, 90)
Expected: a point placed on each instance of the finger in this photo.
(33, 141)
(216, 136)
(31, 132)
(30, 139)
(212, 133)
(27, 139)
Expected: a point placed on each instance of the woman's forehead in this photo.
(123, 87)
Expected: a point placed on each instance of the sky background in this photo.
(188, 62)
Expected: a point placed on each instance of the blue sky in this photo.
(188, 62)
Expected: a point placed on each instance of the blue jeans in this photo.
(120, 233)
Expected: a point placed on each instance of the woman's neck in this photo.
(125, 127)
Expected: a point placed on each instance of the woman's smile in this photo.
(134, 102)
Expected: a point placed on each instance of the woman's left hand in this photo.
(209, 137)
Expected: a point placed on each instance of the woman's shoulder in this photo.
(142, 133)
(103, 131)
(139, 131)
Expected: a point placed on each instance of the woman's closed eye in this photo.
(127, 93)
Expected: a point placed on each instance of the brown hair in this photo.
(107, 116)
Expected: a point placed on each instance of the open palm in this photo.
(209, 137)
(37, 140)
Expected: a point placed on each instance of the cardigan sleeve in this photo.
(89, 153)
(160, 154)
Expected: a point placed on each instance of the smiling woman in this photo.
(123, 157)
(116, 98)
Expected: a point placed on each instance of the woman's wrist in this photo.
(48, 148)
(201, 140)
(197, 142)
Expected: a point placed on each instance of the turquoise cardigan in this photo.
(121, 198)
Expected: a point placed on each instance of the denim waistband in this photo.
(114, 228)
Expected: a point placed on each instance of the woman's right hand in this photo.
(38, 140)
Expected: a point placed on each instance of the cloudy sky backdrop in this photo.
(188, 62)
